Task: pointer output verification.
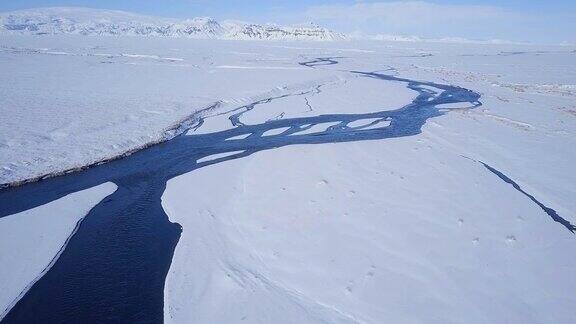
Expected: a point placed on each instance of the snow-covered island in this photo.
(207, 172)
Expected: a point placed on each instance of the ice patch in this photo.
(218, 156)
(238, 137)
(245, 67)
(275, 131)
(316, 128)
(369, 123)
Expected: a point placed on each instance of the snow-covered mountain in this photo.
(240, 30)
(84, 21)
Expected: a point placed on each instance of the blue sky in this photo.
(551, 21)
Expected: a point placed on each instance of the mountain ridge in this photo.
(87, 21)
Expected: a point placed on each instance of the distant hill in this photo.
(84, 21)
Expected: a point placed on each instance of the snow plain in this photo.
(32, 240)
(410, 230)
(71, 101)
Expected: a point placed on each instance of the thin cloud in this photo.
(429, 19)
(398, 11)
(406, 12)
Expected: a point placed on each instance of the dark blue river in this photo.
(114, 267)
